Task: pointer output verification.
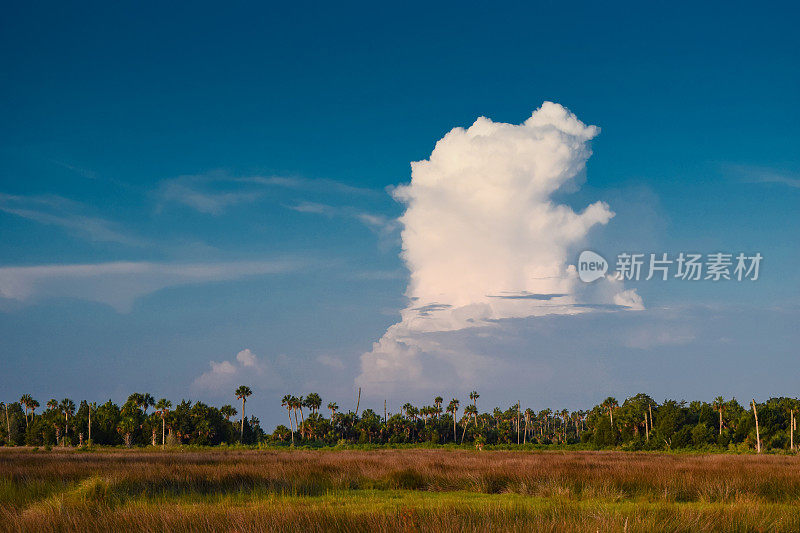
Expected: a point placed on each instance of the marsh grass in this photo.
(391, 490)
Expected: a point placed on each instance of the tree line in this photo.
(639, 423)
(140, 421)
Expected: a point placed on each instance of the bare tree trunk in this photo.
(163, 432)
(8, 427)
(455, 430)
(518, 425)
(302, 423)
(90, 424)
(241, 432)
(758, 437)
(465, 431)
(720, 422)
(525, 440)
(791, 431)
(291, 426)
(650, 410)
(358, 402)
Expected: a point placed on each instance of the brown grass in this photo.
(391, 490)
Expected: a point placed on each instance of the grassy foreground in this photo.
(396, 490)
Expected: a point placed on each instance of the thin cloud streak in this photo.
(63, 213)
(120, 284)
(765, 175)
(214, 193)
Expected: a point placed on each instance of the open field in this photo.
(391, 490)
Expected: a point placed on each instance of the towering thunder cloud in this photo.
(484, 241)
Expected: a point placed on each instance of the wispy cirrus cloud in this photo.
(201, 194)
(384, 227)
(120, 284)
(69, 215)
(752, 174)
(215, 192)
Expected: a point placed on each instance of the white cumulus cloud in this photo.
(485, 240)
(246, 368)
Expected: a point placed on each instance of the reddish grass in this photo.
(277, 490)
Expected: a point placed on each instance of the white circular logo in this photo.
(591, 266)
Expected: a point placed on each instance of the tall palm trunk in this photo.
(720, 421)
(465, 430)
(791, 429)
(163, 432)
(303, 423)
(291, 426)
(241, 432)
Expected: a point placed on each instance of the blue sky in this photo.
(235, 165)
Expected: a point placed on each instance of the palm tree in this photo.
(162, 408)
(147, 401)
(68, 408)
(127, 425)
(719, 405)
(610, 404)
(333, 406)
(565, 415)
(470, 411)
(437, 402)
(293, 402)
(30, 406)
(52, 405)
(528, 415)
(91, 406)
(544, 420)
(299, 402)
(287, 403)
(228, 411)
(242, 393)
(4, 405)
(313, 402)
